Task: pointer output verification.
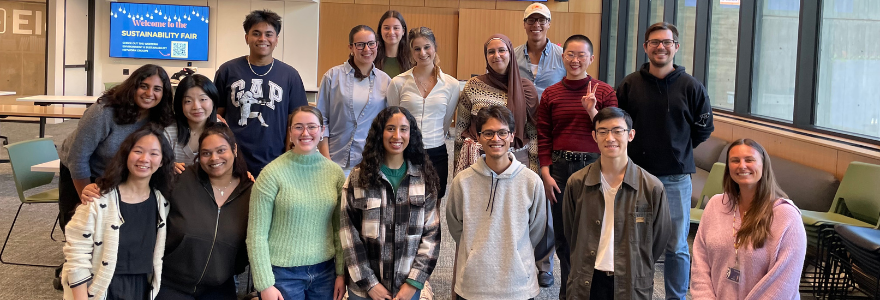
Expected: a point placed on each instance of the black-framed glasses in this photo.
(489, 134)
(617, 132)
(541, 21)
(361, 45)
(666, 43)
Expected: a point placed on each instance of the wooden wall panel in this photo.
(337, 1)
(845, 157)
(477, 4)
(408, 2)
(476, 25)
(372, 2)
(444, 23)
(522, 5)
(336, 22)
(723, 131)
(442, 3)
(585, 6)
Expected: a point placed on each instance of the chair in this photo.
(110, 85)
(863, 247)
(714, 185)
(22, 156)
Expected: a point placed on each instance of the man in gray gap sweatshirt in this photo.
(496, 214)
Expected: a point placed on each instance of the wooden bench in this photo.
(41, 112)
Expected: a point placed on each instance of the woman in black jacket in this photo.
(207, 223)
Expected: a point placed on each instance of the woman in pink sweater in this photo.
(751, 241)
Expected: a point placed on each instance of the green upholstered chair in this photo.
(22, 156)
(714, 185)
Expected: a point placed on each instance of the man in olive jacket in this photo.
(616, 218)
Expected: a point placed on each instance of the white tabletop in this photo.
(48, 167)
(6, 93)
(61, 99)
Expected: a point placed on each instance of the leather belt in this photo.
(574, 155)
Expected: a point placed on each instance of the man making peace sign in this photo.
(565, 143)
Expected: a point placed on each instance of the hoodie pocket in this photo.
(184, 265)
(221, 266)
(487, 269)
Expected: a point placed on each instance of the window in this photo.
(686, 22)
(775, 62)
(723, 34)
(849, 57)
(634, 43)
(656, 12)
(612, 44)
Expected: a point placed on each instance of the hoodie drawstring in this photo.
(491, 205)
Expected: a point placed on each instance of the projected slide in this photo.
(158, 31)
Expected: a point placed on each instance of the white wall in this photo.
(297, 45)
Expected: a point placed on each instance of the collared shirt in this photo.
(641, 230)
(434, 113)
(347, 128)
(388, 238)
(550, 67)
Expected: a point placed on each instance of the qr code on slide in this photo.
(179, 49)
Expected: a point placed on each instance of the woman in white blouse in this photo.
(431, 96)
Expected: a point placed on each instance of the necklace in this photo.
(421, 85)
(252, 68)
(223, 190)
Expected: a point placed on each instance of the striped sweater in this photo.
(92, 245)
(562, 123)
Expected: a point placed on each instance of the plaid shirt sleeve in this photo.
(429, 248)
(353, 249)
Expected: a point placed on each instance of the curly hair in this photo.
(415, 154)
(260, 16)
(117, 170)
(121, 98)
(194, 81)
(403, 53)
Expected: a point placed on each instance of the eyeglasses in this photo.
(666, 43)
(617, 132)
(541, 21)
(361, 45)
(312, 128)
(488, 134)
(580, 57)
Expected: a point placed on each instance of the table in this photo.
(46, 100)
(6, 93)
(42, 112)
(48, 167)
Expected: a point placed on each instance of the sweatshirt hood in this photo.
(483, 169)
(676, 72)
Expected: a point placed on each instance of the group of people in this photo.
(169, 197)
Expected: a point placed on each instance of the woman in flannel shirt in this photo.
(390, 227)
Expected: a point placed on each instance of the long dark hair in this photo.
(355, 30)
(117, 170)
(757, 220)
(239, 166)
(199, 81)
(403, 55)
(415, 154)
(121, 98)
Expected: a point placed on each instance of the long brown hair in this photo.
(403, 55)
(757, 220)
(121, 98)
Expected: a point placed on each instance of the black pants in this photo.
(440, 159)
(68, 198)
(602, 287)
(225, 291)
(561, 170)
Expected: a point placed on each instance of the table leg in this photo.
(42, 127)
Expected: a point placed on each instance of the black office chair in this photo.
(863, 245)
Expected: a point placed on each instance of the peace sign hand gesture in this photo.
(589, 100)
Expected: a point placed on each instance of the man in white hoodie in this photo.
(496, 214)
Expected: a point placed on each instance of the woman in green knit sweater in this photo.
(390, 226)
(293, 229)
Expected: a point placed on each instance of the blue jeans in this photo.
(353, 296)
(306, 282)
(678, 260)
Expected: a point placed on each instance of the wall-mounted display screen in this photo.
(157, 31)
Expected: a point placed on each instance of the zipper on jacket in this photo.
(214, 241)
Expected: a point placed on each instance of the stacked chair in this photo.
(714, 185)
(856, 203)
(862, 262)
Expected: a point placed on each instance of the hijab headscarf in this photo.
(522, 97)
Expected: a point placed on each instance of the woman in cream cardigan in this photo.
(115, 244)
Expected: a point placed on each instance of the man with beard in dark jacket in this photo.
(672, 112)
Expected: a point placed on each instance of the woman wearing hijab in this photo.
(501, 85)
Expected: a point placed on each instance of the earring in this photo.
(322, 138)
